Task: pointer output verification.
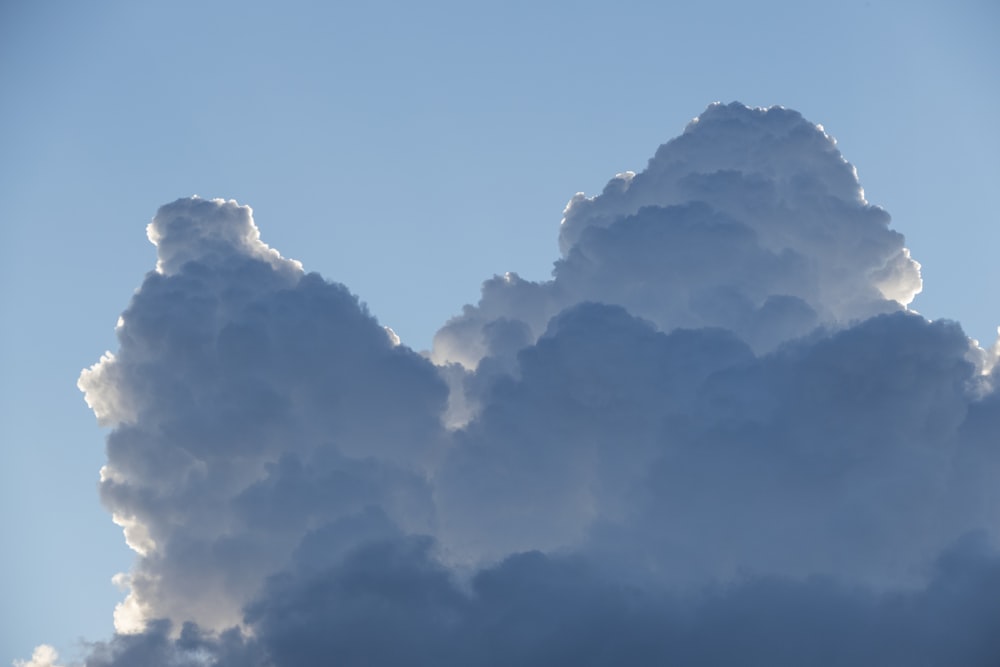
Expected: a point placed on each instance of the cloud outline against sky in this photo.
(718, 435)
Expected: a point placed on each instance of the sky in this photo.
(413, 152)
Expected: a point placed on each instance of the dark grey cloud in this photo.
(392, 603)
(717, 436)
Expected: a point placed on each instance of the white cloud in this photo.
(43, 656)
(209, 230)
(751, 220)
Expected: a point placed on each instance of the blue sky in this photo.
(410, 151)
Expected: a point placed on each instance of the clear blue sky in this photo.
(409, 150)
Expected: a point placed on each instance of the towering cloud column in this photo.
(751, 220)
(251, 403)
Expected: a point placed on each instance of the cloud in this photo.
(251, 403)
(392, 602)
(615, 428)
(751, 220)
(43, 656)
(716, 436)
(159, 646)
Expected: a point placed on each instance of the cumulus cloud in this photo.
(251, 403)
(43, 656)
(845, 446)
(717, 436)
(750, 220)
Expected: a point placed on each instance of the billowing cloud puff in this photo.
(241, 380)
(684, 456)
(751, 220)
(43, 656)
(716, 436)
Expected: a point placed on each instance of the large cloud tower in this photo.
(716, 436)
